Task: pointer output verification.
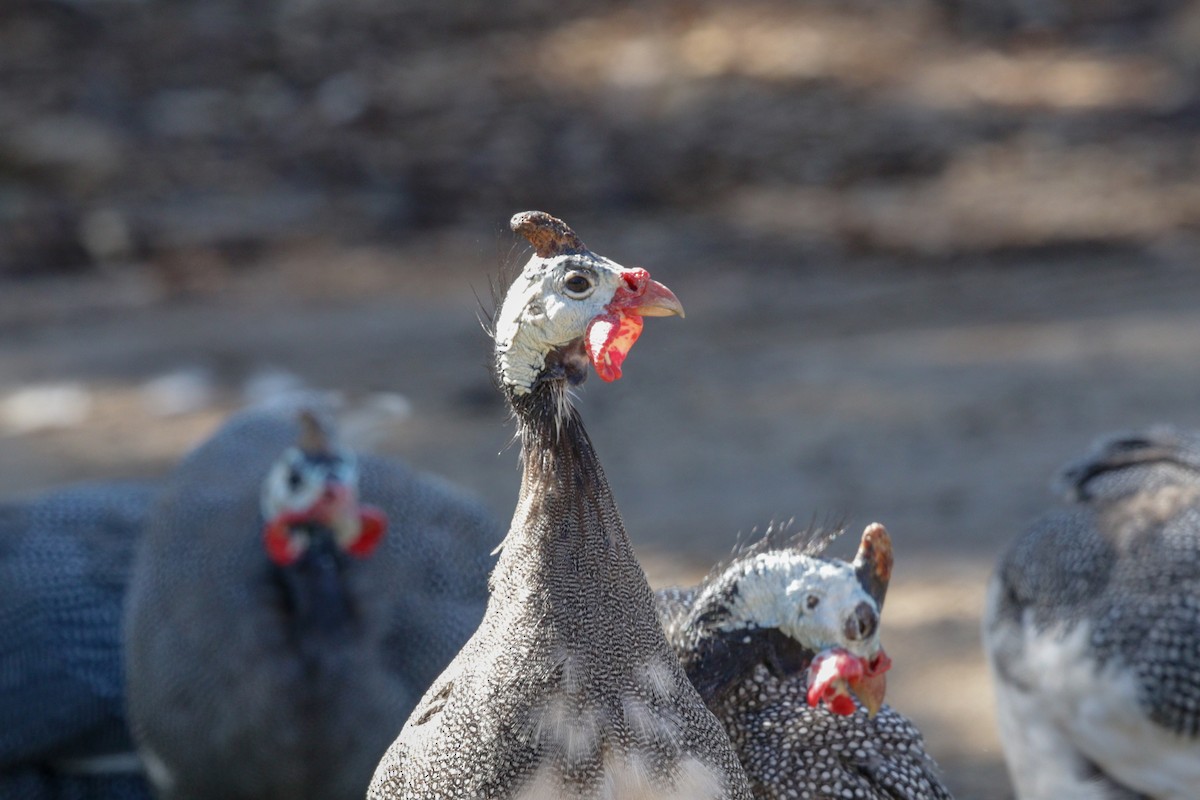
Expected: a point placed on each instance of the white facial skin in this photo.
(806, 598)
(295, 482)
(550, 305)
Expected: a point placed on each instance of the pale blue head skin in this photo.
(808, 599)
(550, 305)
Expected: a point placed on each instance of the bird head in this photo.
(800, 614)
(568, 307)
(311, 494)
(837, 672)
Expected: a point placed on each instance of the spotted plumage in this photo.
(1093, 628)
(64, 566)
(568, 690)
(748, 635)
(272, 654)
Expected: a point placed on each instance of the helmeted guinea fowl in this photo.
(1092, 629)
(278, 635)
(64, 566)
(777, 640)
(568, 689)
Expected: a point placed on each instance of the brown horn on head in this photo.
(550, 236)
(314, 437)
(873, 562)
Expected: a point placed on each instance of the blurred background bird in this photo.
(1093, 628)
(65, 560)
(289, 603)
(928, 248)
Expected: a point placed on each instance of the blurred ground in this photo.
(929, 250)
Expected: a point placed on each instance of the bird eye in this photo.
(294, 480)
(812, 602)
(577, 285)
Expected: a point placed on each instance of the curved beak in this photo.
(657, 300)
(872, 686)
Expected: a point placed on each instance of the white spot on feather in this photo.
(695, 779)
(627, 777)
(650, 725)
(572, 675)
(568, 729)
(544, 785)
(658, 679)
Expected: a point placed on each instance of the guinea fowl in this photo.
(776, 640)
(278, 635)
(64, 568)
(568, 689)
(1092, 629)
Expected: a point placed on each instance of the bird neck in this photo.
(315, 597)
(567, 556)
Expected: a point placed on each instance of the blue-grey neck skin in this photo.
(315, 599)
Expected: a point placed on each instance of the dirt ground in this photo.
(938, 402)
(929, 250)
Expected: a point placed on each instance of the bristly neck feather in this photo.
(567, 556)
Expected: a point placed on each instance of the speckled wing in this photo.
(792, 750)
(64, 564)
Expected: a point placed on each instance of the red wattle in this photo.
(878, 665)
(609, 340)
(828, 676)
(278, 542)
(372, 527)
(842, 705)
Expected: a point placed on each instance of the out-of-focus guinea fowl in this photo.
(64, 566)
(279, 632)
(1092, 629)
(777, 640)
(568, 689)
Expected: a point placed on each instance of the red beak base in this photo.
(372, 525)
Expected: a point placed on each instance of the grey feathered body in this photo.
(790, 749)
(236, 689)
(64, 566)
(1111, 586)
(568, 689)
